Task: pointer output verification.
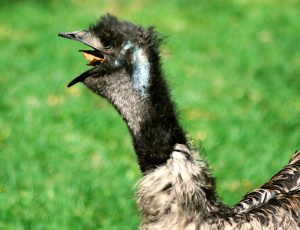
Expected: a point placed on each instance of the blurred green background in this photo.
(66, 159)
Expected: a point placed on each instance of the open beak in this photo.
(96, 56)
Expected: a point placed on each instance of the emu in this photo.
(176, 190)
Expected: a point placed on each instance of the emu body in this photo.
(176, 190)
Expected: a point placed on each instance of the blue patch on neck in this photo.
(141, 68)
(141, 71)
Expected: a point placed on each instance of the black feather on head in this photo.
(113, 32)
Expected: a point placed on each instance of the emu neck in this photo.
(159, 132)
(151, 116)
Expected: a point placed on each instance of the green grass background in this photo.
(66, 159)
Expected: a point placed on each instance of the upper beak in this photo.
(85, 37)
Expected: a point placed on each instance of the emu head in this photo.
(121, 57)
(126, 70)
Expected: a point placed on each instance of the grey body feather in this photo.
(174, 196)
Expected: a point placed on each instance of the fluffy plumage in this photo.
(176, 190)
(181, 195)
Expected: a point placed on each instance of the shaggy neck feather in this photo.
(179, 192)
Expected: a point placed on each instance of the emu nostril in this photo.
(73, 35)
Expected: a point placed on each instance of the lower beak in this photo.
(83, 76)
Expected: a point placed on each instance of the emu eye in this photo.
(108, 48)
(106, 44)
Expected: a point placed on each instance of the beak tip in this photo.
(64, 35)
(70, 84)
